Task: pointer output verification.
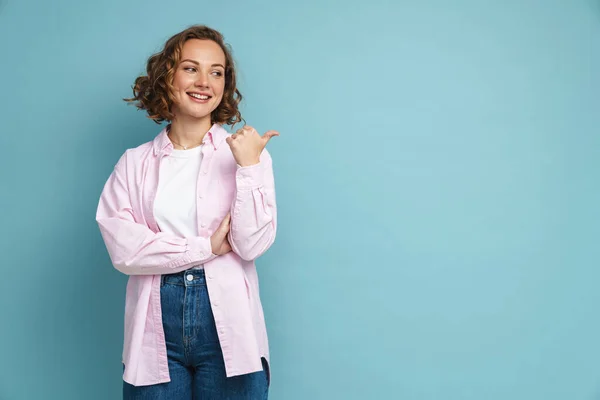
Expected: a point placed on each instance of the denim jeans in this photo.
(196, 362)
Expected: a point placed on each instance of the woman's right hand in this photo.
(218, 241)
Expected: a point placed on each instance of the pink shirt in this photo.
(138, 248)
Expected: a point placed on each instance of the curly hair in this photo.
(154, 92)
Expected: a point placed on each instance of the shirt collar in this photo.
(215, 136)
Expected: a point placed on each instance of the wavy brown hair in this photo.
(154, 92)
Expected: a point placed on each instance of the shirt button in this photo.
(203, 224)
(199, 196)
(215, 304)
(190, 277)
(201, 254)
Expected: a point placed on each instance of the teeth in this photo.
(198, 96)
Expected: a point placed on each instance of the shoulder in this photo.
(134, 157)
(140, 151)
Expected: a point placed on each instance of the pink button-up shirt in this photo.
(138, 248)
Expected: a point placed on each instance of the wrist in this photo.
(249, 163)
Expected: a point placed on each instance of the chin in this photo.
(196, 114)
(195, 111)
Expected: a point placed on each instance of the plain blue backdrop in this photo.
(437, 179)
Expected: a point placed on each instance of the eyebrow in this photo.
(197, 63)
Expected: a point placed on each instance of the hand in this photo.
(247, 145)
(218, 241)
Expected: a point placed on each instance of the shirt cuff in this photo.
(200, 249)
(251, 177)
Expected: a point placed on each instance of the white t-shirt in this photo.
(175, 202)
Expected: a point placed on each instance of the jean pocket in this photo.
(267, 370)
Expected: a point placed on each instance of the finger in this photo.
(232, 142)
(250, 130)
(269, 134)
(225, 222)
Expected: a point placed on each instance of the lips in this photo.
(199, 97)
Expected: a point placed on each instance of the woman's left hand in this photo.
(247, 145)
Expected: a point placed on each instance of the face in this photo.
(199, 81)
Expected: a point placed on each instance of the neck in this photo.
(189, 132)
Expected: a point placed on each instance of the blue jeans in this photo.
(196, 362)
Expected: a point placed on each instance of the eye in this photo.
(189, 69)
(217, 73)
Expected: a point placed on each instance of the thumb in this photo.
(269, 134)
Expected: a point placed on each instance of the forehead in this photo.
(203, 51)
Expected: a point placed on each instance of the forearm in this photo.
(136, 250)
(253, 211)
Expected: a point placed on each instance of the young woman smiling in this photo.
(185, 216)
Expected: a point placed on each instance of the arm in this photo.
(133, 248)
(254, 210)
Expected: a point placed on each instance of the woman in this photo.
(185, 216)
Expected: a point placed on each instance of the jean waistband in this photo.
(190, 277)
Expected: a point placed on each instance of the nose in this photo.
(202, 80)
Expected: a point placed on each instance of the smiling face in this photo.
(199, 81)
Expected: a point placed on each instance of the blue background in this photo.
(437, 180)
